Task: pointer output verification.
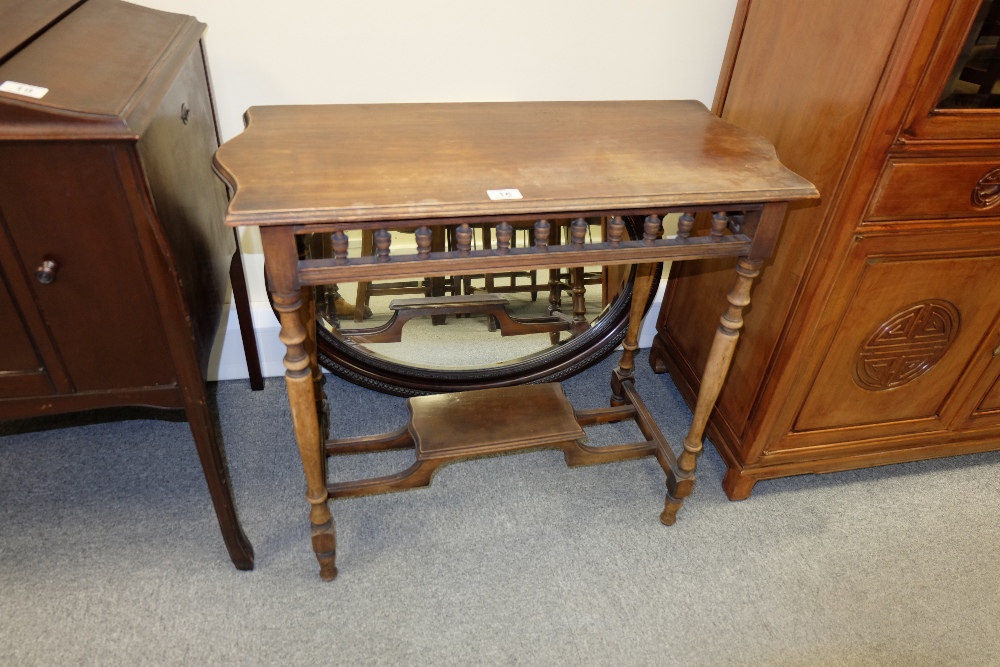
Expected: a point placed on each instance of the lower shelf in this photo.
(449, 427)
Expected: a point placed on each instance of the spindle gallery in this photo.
(376, 169)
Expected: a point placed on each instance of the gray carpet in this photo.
(110, 553)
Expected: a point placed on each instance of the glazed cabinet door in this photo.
(917, 330)
(959, 95)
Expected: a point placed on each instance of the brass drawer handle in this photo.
(987, 191)
(46, 272)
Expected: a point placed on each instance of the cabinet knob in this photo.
(46, 272)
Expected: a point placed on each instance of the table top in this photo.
(382, 162)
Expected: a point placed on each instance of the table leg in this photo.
(641, 287)
(716, 368)
(307, 313)
(288, 297)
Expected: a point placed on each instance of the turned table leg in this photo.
(716, 368)
(288, 297)
(641, 287)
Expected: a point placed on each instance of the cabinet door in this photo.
(21, 369)
(959, 95)
(913, 332)
(983, 404)
(63, 202)
(990, 404)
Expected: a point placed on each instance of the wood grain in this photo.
(413, 161)
(847, 91)
(129, 221)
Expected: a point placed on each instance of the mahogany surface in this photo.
(847, 92)
(298, 171)
(106, 185)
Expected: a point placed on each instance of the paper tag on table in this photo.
(509, 193)
(24, 89)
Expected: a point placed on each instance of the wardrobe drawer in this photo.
(910, 189)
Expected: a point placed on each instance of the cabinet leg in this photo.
(737, 485)
(241, 299)
(206, 440)
(656, 354)
(716, 368)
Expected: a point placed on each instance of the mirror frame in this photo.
(553, 364)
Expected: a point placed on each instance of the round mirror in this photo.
(476, 331)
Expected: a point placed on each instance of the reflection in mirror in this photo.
(466, 331)
(975, 80)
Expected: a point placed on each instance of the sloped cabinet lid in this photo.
(98, 63)
(21, 20)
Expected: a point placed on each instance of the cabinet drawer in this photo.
(938, 188)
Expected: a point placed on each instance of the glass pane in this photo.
(975, 80)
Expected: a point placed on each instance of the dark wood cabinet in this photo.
(114, 262)
(874, 336)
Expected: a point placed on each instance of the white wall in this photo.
(332, 51)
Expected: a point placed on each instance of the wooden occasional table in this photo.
(300, 170)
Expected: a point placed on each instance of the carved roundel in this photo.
(907, 345)
(986, 194)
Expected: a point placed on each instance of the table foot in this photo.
(670, 507)
(324, 541)
(680, 485)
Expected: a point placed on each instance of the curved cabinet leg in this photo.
(206, 440)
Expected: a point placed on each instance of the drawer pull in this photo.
(46, 273)
(987, 190)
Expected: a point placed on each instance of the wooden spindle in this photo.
(736, 222)
(382, 239)
(719, 223)
(340, 243)
(578, 232)
(579, 298)
(542, 229)
(684, 225)
(652, 228)
(616, 228)
(505, 233)
(463, 239)
(424, 237)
